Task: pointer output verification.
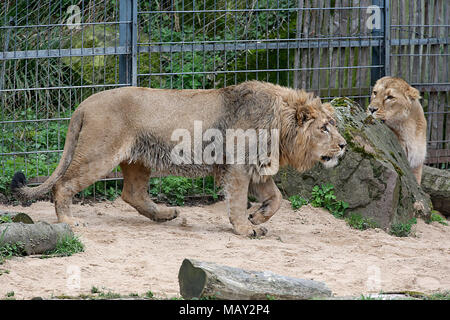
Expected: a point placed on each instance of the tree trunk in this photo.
(35, 238)
(436, 183)
(199, 279)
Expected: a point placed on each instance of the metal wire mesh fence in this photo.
(54, 54)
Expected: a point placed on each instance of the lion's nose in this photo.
(372, 109)
(342, 145)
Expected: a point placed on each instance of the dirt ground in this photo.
(127, 253)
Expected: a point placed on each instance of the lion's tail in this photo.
(18, 183)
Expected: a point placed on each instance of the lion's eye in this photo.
(374, 93)
(332, 122)
(324, 128)
(389, 97)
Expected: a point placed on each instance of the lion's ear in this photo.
(413, 93)
(304, 114)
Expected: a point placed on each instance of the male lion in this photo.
(133, 127)
(397, 104)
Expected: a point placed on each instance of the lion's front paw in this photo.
(166, 214)
(257, 218)
(250, 231)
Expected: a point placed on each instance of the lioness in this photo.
(134, 127)
(396, 103)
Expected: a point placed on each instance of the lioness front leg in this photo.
(418, 173)
(236, 191)
(270, 196)
(135, 193)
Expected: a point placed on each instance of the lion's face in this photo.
(391, 100)
(317, 137)
(327, 145)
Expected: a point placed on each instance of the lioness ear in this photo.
(329, 108)
(413, 93)
(304, 114)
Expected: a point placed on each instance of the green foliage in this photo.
(5, 219)
(149, 295)
(297, 201)
(400, 229)
(3, 271)
(357, 221)
(109, 295)
(8, 250)
(444, 295)
(438, 218)
(176, 189)
(94, 290)
(65, 247)
(323, 196)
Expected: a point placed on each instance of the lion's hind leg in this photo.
(80, 175)
(135, 193)
(270, 196)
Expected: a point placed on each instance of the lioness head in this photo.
(391, 100)
(311, 133)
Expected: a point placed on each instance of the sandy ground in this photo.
(127, 253)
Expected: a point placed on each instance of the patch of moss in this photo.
(377, 171)
(349, 134)
(346, 102)
(393, 155)
(369, 120)
(397, 168)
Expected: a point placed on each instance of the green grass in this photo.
(103, 294)
(297, 201)
(357, 221)
(175, 190)
(444, 295)
(65, 247)
(5, 219)
(402, 229)
(8, 250)
(3, 271)
(435, 217)
(94, 290)
(324, 197)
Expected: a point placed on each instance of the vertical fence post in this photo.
(379, 52)
(387, 38)
(134, 30)
(127, 38)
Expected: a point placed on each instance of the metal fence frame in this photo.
(130, 48)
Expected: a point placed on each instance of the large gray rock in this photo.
(374, 176)
(436, 183)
